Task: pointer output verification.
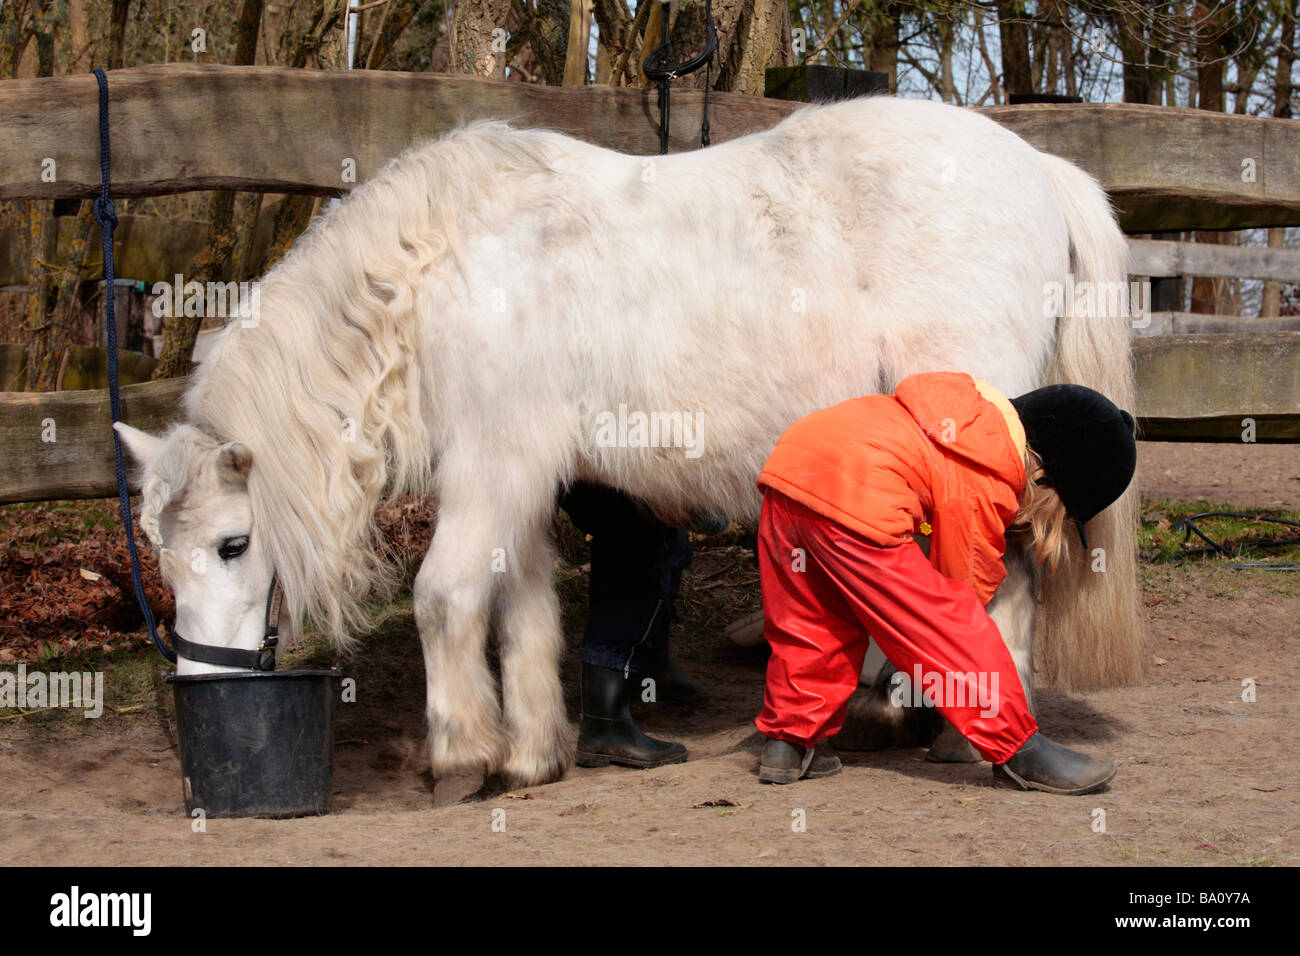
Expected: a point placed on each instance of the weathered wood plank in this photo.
(1169, 323)
(1190, 388)
(1201, 387)
(1153, 257)
(1169, 168)
(179, 127)
(78, 461)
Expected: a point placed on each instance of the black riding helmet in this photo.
(1086, 443)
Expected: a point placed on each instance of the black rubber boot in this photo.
(784, 762)
(607, 734)
(1041, 764)
(673, 686)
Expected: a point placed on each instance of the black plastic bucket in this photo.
(256, 743)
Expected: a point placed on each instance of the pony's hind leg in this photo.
(452, 601)
(532, 646)
(1013, 609)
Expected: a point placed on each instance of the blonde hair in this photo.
(1041, 522)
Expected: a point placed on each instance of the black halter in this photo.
(656, 67)
(262, 659)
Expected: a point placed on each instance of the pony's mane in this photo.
(324, 386)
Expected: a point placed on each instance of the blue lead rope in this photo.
(106, 216)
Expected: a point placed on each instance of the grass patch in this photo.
(133, 690)
(1165, 536)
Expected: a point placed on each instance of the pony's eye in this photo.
(232, 547)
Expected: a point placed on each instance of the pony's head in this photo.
(198, 515)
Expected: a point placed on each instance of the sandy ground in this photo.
(1253, 476)
(1205, 777)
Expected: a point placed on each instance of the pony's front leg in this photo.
(1013, 609)
(532, 646)
(452, 599)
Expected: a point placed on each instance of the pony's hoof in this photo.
(949, 746)
(952, 751)
(454, 754)
(533, 770)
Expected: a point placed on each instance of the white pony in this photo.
(470, 322)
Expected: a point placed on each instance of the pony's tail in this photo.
(1091, 632)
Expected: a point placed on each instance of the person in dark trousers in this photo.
(636, 568)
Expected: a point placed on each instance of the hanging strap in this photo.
(261, 659)
(106, 216)
(656, 67)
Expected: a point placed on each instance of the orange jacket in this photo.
(943, 449)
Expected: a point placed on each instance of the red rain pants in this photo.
(828, 591)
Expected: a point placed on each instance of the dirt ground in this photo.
(1204, 777)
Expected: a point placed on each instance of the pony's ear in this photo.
(234, 462)
(142, 446)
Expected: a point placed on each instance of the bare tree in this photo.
(180, 331)
(53, 285)
(1271, 301)
(1013, 29)
(1208, 293)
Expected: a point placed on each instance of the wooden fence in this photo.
(184, 127)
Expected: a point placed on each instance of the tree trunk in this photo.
(397, 17)
(1067, 54)
(575, 57)
(180, 331)
(48, 349)
(549, 38)
(1271, 302)
(15, 34)
(321, 45)
(614, 25)
(79, 50)
(884, 44)
(46, 326)
(1208, 292)
(994, 86)
(474, 48)
(947, 86)
(117, 34)
(42, 243)
(752, 35)
(1017, 76)
(651, 35)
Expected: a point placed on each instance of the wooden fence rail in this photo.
(60, 444)
(183, 127)
(1190, 388)
(1205, 387)
(1168, 323)
(1157, 258)
(179, 127)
